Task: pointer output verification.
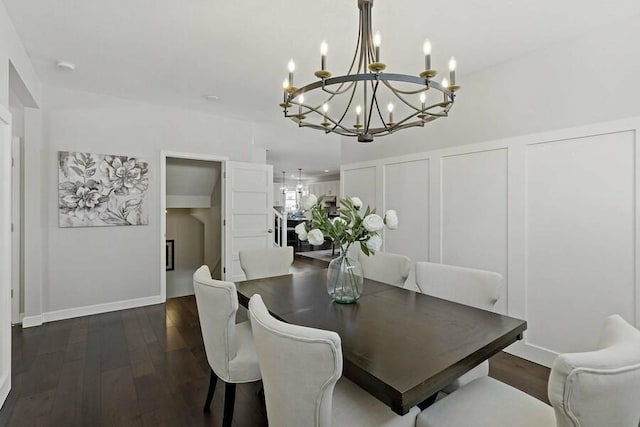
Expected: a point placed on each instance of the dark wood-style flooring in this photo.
(147, 367)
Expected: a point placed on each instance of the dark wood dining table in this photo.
(400, 346)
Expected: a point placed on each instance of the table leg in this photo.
(427, 402)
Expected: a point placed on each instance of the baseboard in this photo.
(541, 356)
(89, 310)
(31, 321)
(5, 388)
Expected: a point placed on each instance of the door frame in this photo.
(163, 206)
(5, 253)
(16, 227)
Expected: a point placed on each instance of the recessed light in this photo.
(211, 97)
(326, 171)
(66, 65)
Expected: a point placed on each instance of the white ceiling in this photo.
(172, 52)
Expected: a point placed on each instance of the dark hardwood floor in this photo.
(147, 367)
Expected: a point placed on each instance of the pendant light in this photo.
(283, 189)
(299, 186)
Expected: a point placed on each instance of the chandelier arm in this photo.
(369, 36)
(322, 128)
(358, 47)
(439, 104)
(353, 93)
(407, 103)
(387, 131)
(403, 121)
(404, 92)
(337, 124)
(373, 100)
(353, 61)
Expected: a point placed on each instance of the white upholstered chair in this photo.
(594, 389)
(229, 346)
(392, 269)
(301, 369)
(266, 262)
(469, 286)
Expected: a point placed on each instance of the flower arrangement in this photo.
(345, 277)
(350, 227)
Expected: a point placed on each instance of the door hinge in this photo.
(224, 270)
(11, 293)
(13, 162)
(12, 228)
(224, 222)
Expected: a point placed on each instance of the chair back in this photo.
(217, 303)
(602, 387)
(392, 269)
(469, 286)
(300, 367)
(266, 262)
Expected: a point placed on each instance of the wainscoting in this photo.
(555, 213)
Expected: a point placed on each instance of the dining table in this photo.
(401, 346)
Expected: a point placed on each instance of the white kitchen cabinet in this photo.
(328, 188)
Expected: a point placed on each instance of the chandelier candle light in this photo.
(365, 88)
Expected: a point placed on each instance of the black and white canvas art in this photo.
(99, 190)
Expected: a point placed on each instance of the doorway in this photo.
(192, 203)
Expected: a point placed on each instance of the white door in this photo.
(16, 237)
(248, 212)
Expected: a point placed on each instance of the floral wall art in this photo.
(98, 190)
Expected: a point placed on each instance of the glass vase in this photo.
(344, 279)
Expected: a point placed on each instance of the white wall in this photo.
(587, 79)
(188, 234)
(555, 213)
(212, 218)
(100, 267)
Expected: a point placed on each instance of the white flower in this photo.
(391, 219)
(307, 202)
(338, 219)
(308, 214)
(356, 202)
(315, 237)
(373, 222)
(374, 243)
(301, 229)
(303, 236)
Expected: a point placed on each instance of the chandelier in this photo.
(358, 97)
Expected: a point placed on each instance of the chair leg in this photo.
(229, 400)
(212, 388)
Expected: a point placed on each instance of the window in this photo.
(290, 201)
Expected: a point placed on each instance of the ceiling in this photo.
(173, 52)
